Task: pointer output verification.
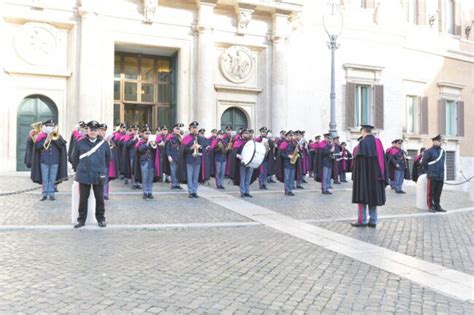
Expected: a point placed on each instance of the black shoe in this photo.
(271, 181)
(432, 210)
(195, 195)
(401, 192)
(290, 193)
(138, 186)
(356, 224)
(102, 224)
(327, 192)
(330, 187)
(150, 196)
(125, 182)
(79, 224)
(106, 197)
(43, 198)
(52, 198)
(304, 181)
(248, 195)
(179, 187)
(145, 196)
(439, 209)
(56, 189)
(167, 181)
(190, 196)
(243, 195)
(299, 187)
(337, 183)
(372, 225)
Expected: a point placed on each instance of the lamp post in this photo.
(332, 22)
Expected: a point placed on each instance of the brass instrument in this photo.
(196, 152)
(52, 136)
(220, 146)
(230, 144)
(152, 141)
(296, 154)
(36, 130)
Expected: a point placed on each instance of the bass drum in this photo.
(253, 154)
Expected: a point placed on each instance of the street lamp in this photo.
(332, 22)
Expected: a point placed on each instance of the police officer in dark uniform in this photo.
(433, 162)
(91, 158)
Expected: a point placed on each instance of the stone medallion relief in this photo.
(37, 43)
(237, 64)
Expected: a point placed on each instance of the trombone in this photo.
(52, 136)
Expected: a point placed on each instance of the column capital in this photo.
(244, 16)
(205, 16)
(281, 25)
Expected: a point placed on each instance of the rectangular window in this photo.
(411, 13)
(450, 165)
(451, 118)
(362, 112)
(450, 16)
(413, 115)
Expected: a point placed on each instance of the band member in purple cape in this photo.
(192, 158)
(30, 142)
(117, 137)
(161, 137)
(229, 138)
(49, 159)
(77, 134)
(241, 174)
(112, 171)
(313, 151)
(91, 158)
(418, 168)
(336, 160)
(433, 162)
(324, 164)
(128, 155)
(397, 165)
(213, 136)
(285, 170)
(147, 162)
(369, 177)
(305, 157)
(300, 168)
(345, 159)
(171, 157)
(218, 158)
(264, 168)
(271, 158)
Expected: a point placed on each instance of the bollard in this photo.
(421, 193)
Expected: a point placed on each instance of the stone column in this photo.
(279, 72)
(205, 109)
(89, 66)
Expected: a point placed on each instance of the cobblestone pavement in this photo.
(221, 270)
(245, 270)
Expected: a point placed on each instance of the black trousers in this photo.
(84, 192)
(436, 187)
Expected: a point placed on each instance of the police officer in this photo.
(433, 162)
(91, 158)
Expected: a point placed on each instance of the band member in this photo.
(345, 161)
(324, 167)
(48, 159)
(313, 151)
(271, 158)
(398, 165)
(77, 134)
(229, 137)
(336, 160)
(118, 135)
(30, 142)
(218, 156)
(161, 140)
(91, 159)
(172, 155)
(129, 154)
(285, 170)
(192, 159)
(213, 135)
(262, 178)
(433, 162)
(388, 153)
(300, 168)
(369, 177)
(305, 157)
(245, 173)
(148, 162)
(418, 168)
(113, 170)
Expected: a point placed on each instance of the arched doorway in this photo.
(234, 117)
(32, 109)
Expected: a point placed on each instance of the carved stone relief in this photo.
(37, 43)
(237, 64)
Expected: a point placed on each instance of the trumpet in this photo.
(36, 130)
(52, 136)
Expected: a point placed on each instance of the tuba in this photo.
(36, 130)
(52, 136)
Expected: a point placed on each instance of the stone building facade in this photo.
(406, 66)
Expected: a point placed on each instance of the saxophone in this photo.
(296, 154)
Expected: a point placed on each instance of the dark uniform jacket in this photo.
(91, 170)
(436, 170)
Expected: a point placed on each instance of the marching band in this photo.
(141, 157)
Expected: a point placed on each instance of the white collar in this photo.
(93, 141)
